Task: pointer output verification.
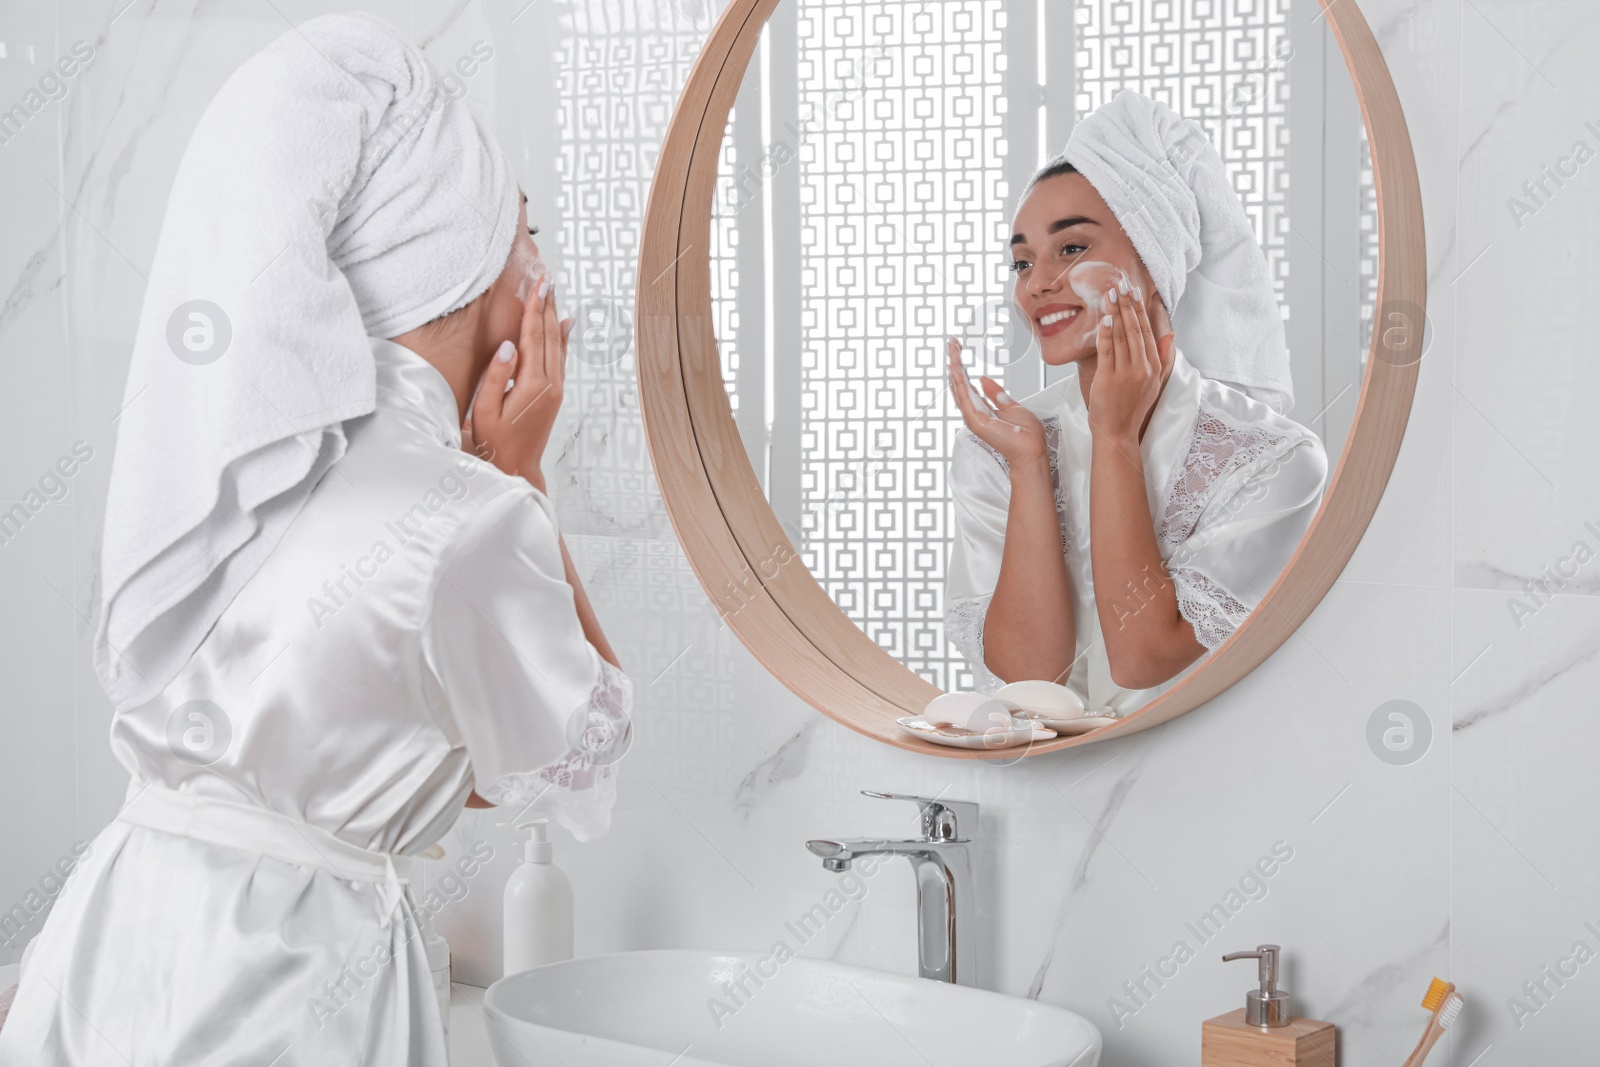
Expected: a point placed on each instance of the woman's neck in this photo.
(1086, 367)
(455, 352)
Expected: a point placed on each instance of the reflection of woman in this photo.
(326, 627)
(1174, 463)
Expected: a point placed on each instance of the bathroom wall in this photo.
(1100, 866)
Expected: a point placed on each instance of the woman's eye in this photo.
(1073, 249)
(532, 230)
(1019, 265)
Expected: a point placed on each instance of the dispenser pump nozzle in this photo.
(538, 848)
(1267, 1005)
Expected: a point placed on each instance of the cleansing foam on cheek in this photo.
(533, 271)
(1091, 280)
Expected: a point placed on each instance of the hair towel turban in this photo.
(331, 191)
(1165, 183)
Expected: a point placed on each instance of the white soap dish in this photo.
(1072, 727)
(993, 737)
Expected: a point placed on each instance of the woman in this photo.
(325, 627)
(1167, 451)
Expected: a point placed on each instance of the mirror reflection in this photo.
(1045, 392)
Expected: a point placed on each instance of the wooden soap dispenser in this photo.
(1263, 1033)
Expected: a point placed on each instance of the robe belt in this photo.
(256, 829)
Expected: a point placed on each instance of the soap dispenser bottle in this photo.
(1263, 1033)
(538, 906)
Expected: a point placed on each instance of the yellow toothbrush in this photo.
(1446, 1004)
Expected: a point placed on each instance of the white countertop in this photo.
(469, 1030)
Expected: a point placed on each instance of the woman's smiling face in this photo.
(1067, 249)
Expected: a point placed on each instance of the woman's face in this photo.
(1067, 250)
(523, 271)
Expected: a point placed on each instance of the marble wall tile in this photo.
(1471, 862)
(1524, 887)
(46, 519)
(1525, 877)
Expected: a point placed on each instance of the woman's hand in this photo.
(1008, 427)
(1130, 369)
(511, 428)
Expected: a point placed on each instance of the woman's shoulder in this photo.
(1237, 436)
(396, 464)
(1232, 406)
(507, 516)
(1246, 432)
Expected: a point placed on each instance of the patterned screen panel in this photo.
(620, 66)
(1368, 263)
(724, 267)
(900, 215)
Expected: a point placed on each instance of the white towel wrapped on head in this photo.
(1166, 184)
(330, 191)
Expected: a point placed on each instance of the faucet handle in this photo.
(942, 820)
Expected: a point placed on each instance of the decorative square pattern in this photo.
(621, 64)
(1368, 223)
(901, 191)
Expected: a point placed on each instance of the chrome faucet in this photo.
(942, 860)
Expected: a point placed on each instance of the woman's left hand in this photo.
(1130, 369)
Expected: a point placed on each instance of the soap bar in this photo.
(1228, 1041)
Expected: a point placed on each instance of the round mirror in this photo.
(866, 210)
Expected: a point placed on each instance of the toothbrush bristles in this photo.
(1452, 1008)
(1436, 992)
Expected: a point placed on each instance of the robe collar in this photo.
(407, 382)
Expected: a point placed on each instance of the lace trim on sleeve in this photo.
(963, 627)
(579, 789)
(1211, 610)
(1218, 451)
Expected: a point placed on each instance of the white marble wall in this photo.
(1473, 863)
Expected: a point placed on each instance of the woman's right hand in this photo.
(1008, 427)
(511, 429)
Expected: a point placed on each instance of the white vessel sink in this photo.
(645, 1008)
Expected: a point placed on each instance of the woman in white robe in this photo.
(414, 639)
(1116, 526)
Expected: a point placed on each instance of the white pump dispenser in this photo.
(538, 906)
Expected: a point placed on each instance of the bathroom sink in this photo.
(748, 1009)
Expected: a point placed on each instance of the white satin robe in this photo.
(1232, 488)
(411, 638)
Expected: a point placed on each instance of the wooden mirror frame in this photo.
(744, 558)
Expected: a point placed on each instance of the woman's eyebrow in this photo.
(1057, 226)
